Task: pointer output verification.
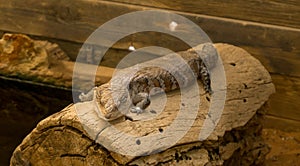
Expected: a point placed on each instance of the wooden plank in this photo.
(288, 125)
(286, 63)
(68, 20)
(277, 12)
(285, 102)
(103, 74)
(277, 47)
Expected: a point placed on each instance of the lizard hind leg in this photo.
(205, 78)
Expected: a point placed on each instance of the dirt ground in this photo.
(285, 147)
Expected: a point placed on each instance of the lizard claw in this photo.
(87, 96)
(136, 110)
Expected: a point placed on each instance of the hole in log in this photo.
(244, 100)
(232, 64)
(161, 130)
(138, 142)
(245, 85)
(183, 104)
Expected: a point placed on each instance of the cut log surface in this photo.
(76, 136)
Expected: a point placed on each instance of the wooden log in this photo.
(62, 139)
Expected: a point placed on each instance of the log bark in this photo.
(65, 138)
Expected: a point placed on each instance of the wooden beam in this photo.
(285, 102)
(277, 12)
(288, 125)
(277, 47)
(68, 20)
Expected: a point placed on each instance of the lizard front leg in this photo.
(140, 101)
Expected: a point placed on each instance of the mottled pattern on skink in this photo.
(147, 78)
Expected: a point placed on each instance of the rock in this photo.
(20, 53)
(29, 59)
(41, 62)
(76, 136)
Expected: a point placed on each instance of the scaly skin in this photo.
(147, 78)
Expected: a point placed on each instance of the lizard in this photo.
(200, 60)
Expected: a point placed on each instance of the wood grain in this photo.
(285, 102)
(277, 47)
(274, 122)
(276, 12)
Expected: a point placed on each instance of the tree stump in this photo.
(65, 139)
